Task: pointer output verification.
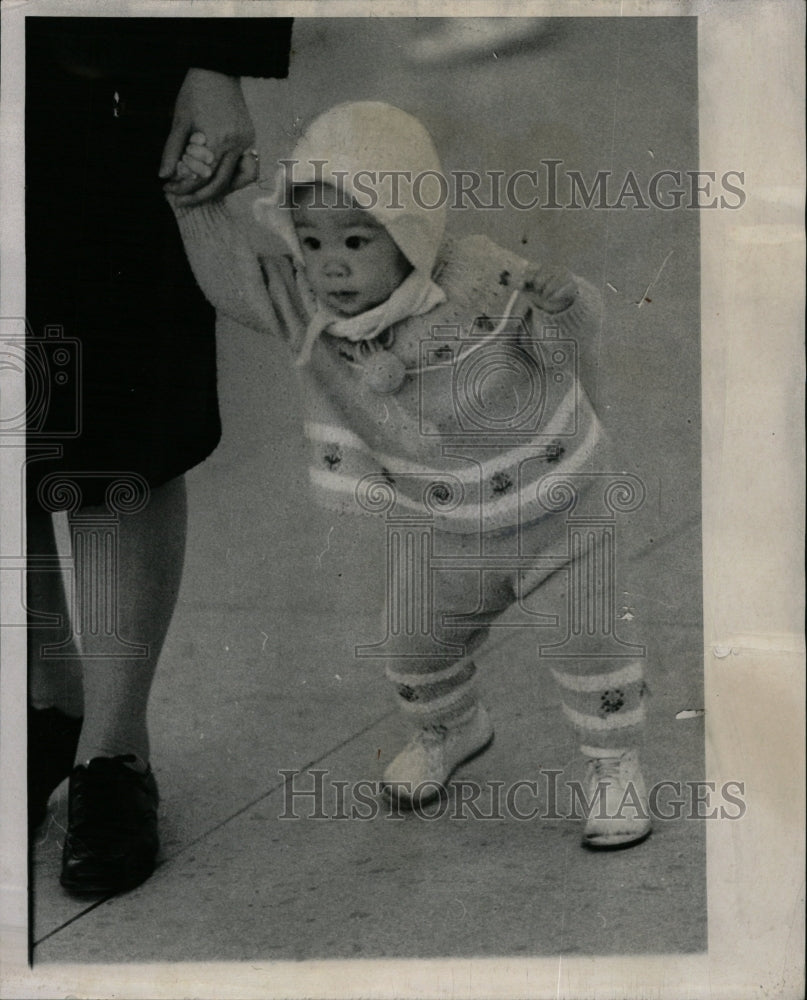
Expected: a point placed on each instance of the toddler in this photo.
(419, 356)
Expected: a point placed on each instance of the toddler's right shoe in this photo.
(619, 814)
(419, 773)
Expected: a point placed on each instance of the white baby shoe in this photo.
(419, 773)
(619, 813)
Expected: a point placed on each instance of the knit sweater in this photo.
(488, 400)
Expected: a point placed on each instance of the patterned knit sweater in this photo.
(453, 416)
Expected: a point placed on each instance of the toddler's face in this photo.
(351, 261)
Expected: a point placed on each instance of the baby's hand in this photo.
(552, 289)
(198, 157)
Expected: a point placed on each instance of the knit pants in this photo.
(602, 697)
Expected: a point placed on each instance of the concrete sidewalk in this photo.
(259, 674)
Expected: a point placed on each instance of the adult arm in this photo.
(219, 51)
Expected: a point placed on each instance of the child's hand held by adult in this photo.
(197, 156)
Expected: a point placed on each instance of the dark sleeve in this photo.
(158, 49)
(238, 46)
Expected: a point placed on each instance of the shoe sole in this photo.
(79, 887)
(607, 844)
(412, 805)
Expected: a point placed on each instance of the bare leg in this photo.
(150, 559)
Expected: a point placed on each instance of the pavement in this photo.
(258, 674)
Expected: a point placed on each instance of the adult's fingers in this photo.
(174, 148)
(184, 184)
(184, 180)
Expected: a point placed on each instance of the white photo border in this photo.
(751, 71)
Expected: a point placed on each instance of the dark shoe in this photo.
(111, 843)
(52, 741)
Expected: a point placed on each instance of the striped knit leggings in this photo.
(602, 697)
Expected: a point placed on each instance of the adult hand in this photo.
(198, 160)
(213, 104)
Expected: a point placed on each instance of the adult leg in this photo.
(112, 840)
(151, 548)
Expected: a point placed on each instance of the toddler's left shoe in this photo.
(620, 814)
(419, 773)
